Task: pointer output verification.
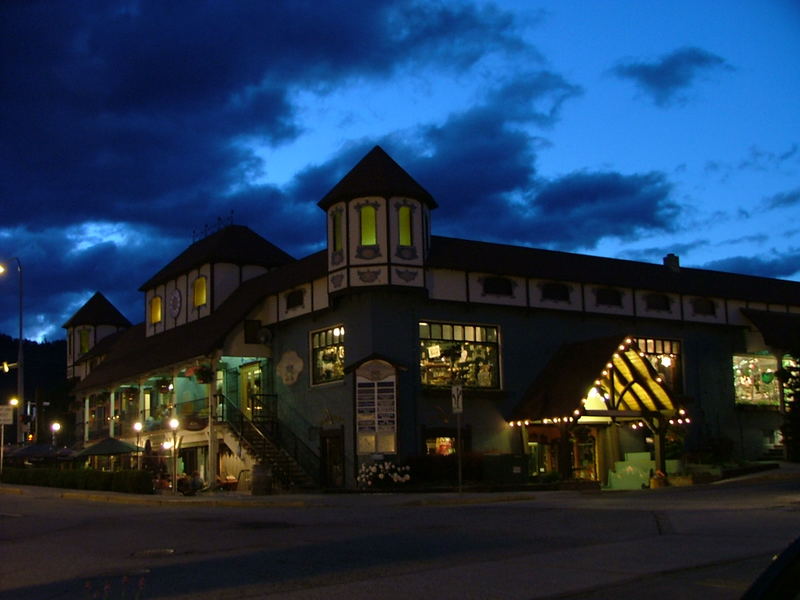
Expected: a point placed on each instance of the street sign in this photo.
(457, 395)
(6, 415)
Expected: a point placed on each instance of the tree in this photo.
(789, 375)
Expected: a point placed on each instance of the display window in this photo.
(442, 446)
(754, 379)
(459, 353)
(665, 356)
(327, 354)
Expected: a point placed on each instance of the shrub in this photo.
(132, 482)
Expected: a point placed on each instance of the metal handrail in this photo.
(271, 430)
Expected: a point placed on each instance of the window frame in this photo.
(155, 309)
(196, 291)
(460, 334)
(317, 346)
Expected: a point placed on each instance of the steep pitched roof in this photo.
(501, 259)
(134, 354)
(633, 388)
(235, 244)
(97, 311)
(377, 174)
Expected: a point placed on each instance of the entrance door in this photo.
(332, 457)
(251, 390)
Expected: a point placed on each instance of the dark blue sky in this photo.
(627, 129)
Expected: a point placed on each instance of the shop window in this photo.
(295, 299)
(404, 236)
(369, 231)
(327, 355)
(454, 352)
(200, 292)
(608, 297)
(155, 310)
(754, 379)
(704, 307)
(83, 340)
(665, 356)
(555, 292)
(498, 286)
(658, 302)
(441, 446)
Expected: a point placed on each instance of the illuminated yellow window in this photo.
(404, 225)
(155, 310)
(200, 290)
(337, 231)
(368, 227)
(84, 340)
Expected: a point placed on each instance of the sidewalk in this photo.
(785, 470)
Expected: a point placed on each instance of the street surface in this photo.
(706, 541)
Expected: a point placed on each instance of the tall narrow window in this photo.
(369, 235)
(337, 230)
(155, 310)
(200, 290)
(404, 226)
(84, 340)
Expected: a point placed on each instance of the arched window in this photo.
(555, 292)
(200, 292)
(704, 306)
(369, 232)
(608, 297)
(498, 286)
(155, 310)
(404, 226)
(659, 302)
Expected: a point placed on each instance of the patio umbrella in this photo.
(36, 451)
(108, 447)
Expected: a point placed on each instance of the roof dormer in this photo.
(199, 279)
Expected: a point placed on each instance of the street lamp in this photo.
(174, 424)
(137, 427)
(55, 428)
(20, 376)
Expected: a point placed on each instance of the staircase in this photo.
(293, 464)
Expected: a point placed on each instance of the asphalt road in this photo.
(706, 542)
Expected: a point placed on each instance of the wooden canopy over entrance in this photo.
(599, 382)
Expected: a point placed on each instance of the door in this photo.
(332, 457)
(251, 390)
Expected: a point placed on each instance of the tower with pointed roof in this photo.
(96, 320)
(378, 226)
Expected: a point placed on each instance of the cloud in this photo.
(146, 116)
(783, 199)
(664, 79)
(779, 265)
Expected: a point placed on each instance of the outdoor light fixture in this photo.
(137, 427)
(174, 424)
(20, 377)
(55, 428)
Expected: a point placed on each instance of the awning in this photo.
(607, 378)
(781, 330)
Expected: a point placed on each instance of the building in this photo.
(317, 366)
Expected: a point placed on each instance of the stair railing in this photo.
(267, 428)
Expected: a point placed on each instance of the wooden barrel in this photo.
(261, 482)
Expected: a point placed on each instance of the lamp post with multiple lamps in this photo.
(20, 374)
